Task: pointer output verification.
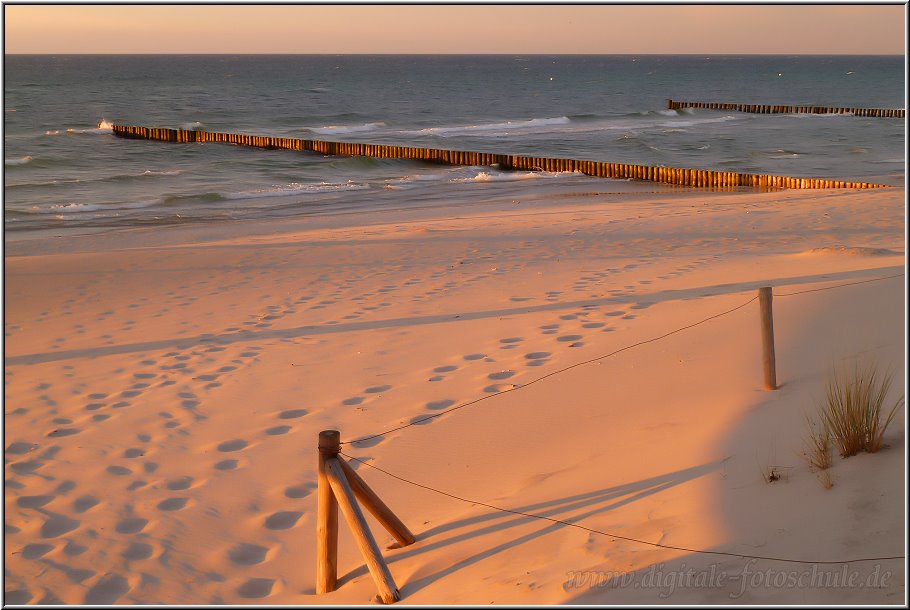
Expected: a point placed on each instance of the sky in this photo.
(595, 29)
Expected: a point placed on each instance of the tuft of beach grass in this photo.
(853, 412)
(819, 446)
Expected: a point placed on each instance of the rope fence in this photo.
(332, 491)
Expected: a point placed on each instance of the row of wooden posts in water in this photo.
(890, 113)
(667, 175)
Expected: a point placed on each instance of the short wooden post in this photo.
(358, 524)
(326, 516)
(767, 338)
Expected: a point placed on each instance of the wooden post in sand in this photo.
(344, 486)
(326, 516)
(767, 338)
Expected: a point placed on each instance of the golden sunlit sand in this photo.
(164, 393)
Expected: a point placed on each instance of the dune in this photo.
(591, 365)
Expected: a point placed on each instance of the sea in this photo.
(65, 172)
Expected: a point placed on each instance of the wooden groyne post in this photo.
(887, 113)
(769, 364)
(339, 486)
(699, 178)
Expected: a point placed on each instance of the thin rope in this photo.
(548, 375)
(616, 536)
(875, 279)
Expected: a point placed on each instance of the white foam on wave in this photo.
(332, 129)
(699, 121)
(19, 161)
(192, 126)
(296, 188)
(493, 176)
(73, 208)
(103, 127)
(541, 124)
(668, 112)
(164, 172)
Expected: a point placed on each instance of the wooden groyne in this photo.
(666, 175)
(888, 113)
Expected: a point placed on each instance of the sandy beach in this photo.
(164, 390)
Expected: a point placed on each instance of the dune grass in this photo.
(853, 413)
(819, 445)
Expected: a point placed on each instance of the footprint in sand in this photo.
(36, 551)
(226, 465)
(567, 338)
(20, 448)
(471, 357)
(232, 445)
(537, 358)
(107, 590)
(179, 484)
(246, 554)
(137, 551)
(500, 375)
(292, 413)
(354, 400)
(377, 389)
(445, 369)
(57, 525)
(34, 501)
(84, 503)
(421, 420)
(299, 491)
(256, 588)
(499, 387)
(172, 504)
(437, 405)
(282, 520)
(277, 430)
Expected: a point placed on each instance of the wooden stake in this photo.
(376, 506)
(767, 338)
(378, 569)
(326, 516)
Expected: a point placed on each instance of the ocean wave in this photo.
(192, 126)
(103, 128)
(505, 126)
(209, 197)
(341, 129)
(492, 176)
(20, 161)
(700, 121)
(75, 208)
(296, 188)
(780, 153)
(101, 179)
